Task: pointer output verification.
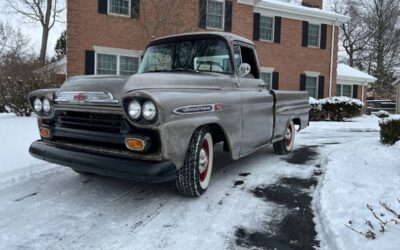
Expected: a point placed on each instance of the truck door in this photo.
(257, 103)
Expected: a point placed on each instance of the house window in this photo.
(311, 86)
(266, 28)
(215, 14)
(314, 35)
(107, 64)
(344, 90)
(119, 7)
(267, 78)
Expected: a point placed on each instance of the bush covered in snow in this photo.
(337, 108)
(390, 129)
(382, 114)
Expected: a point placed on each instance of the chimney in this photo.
(313, 3)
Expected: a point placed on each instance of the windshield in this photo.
(206, 55)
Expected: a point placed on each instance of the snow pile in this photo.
(358, 171)
(315, 104)
(389, 119)
(382, 114)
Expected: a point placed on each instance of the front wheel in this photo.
(285, 145)
(194, 176)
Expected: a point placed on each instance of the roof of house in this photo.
(295, 10)
(345, 73)
(59, 67)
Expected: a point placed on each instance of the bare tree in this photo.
(45, 12)
(353, 34)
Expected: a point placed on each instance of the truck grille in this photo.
(108, 123)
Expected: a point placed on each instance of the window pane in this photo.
(311, 86)
(313, 35)
(120, 7)
(267, 78)
(106, 64)
(128, 65)
(346, 90)
(266, 28)
(215, 14)
(338, 90)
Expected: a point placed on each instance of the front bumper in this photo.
(144, 171)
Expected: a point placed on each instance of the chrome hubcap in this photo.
(203, 162)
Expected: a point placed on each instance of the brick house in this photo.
(294, 40)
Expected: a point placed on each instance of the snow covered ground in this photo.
(45, 206)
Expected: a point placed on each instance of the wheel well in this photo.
(218, 135)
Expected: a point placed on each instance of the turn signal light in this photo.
(135, 144)
(45, 132)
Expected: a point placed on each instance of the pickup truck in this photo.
(192, 91)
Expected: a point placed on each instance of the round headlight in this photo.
(46, 105)
(37, 105)
(134, 109)
(149, 110)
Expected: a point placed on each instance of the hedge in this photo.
(337, 108)
(390, 129)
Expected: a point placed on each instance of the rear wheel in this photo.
(285, 145)
(194, 176)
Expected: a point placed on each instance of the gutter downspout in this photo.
(332, 51)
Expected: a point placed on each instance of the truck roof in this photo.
(227, 36)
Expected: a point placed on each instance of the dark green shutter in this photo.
(355, 91)
(228, 16)
(323, 36)
(321, 85)
(302, 82)
(277, 31)
(89, 62)
(135, 8)
(256, 26)
(103, 6)
(305, 34)
(275, 80)
(203, 14)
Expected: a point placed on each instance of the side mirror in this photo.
(244, 69)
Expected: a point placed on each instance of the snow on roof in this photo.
(295, 8)
(60, 66)
(345, 72)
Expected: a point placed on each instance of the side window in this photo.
(249, 56)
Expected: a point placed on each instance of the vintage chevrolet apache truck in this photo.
(192, 91)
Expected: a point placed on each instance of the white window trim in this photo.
(118, 53)
(116, 14)
(270, 71)
(319, 40)
(223, 15)
(315, 75)
(273, 30)
(341, 89)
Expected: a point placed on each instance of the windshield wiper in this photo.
(188, 70)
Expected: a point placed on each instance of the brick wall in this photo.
(88, 28)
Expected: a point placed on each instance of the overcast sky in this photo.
(32, 31)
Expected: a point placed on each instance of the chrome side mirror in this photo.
(244, 69)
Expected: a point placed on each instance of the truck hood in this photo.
(119, 85)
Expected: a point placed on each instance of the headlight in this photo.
(37, 105)
(46, 105)
(149, 110)
(134, 109)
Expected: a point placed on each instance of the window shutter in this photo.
(203, 14)
(103, 6)
(321, 84)
(305, 34)
(355, 91)
(135, 8)
(256, 27)
(302, 82)
(89, 62)
(323, 36)
(275, 80)
(277, 31)
(228, 16)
